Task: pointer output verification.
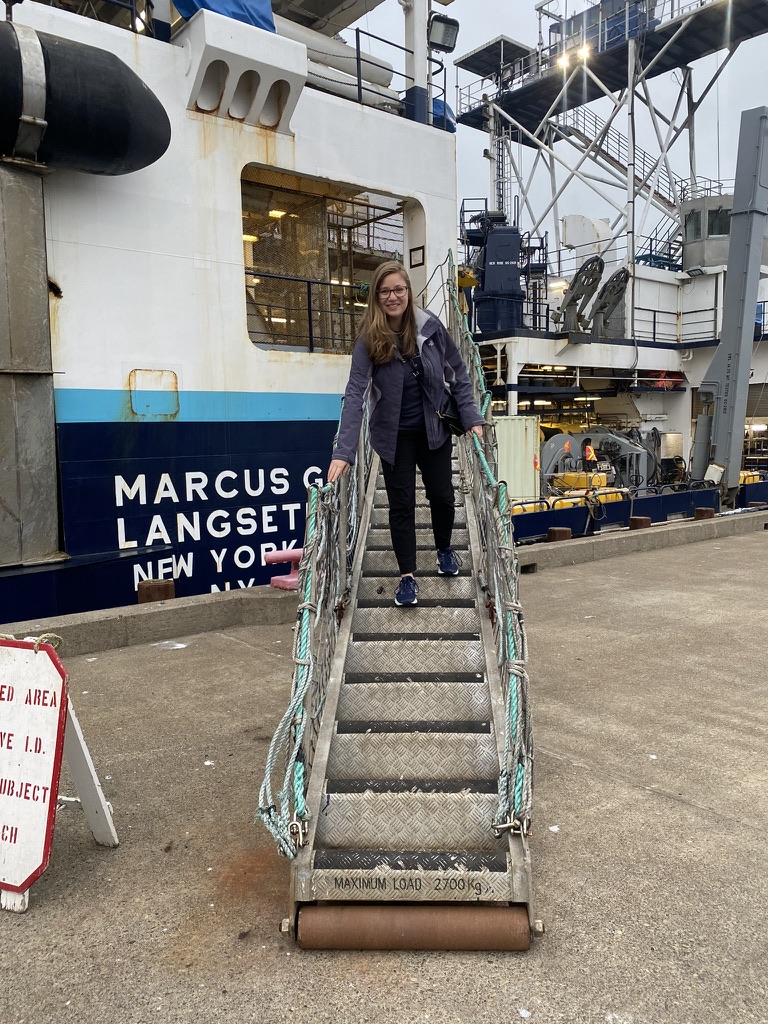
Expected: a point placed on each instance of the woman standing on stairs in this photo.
(401, 361)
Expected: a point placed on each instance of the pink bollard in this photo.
(291, 580)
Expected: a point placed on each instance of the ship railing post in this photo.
(359, 67)
(309, 317)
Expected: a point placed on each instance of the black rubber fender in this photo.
(101, 118)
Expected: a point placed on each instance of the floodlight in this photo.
(442, 33)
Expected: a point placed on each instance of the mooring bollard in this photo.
(291, 580)
(639, 522)
(555, 533)
(155, 590)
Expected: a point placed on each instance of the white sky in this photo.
(743, 84)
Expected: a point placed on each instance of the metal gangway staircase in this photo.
(404, 758)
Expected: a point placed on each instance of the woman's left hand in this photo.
(477, 430)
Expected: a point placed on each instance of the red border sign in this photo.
(30, 764)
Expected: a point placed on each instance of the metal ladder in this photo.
(400, 850)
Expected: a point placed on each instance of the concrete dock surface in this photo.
(648, 683)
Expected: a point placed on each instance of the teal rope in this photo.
(276, 813)
(513, 781)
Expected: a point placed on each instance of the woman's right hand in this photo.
(337, 468)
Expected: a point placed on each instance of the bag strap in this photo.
(417, 375)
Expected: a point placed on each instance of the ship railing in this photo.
(364, 228)
(499, 573)
(662, 248)
(301, 313)
(652, 324)
(706, 187)
(437, 113)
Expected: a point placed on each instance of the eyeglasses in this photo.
(400, 291)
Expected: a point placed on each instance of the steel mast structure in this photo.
(537, 97)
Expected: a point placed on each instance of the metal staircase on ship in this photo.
(412, 829)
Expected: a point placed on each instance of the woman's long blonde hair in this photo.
(382, 342)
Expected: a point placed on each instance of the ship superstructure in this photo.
(194, 317)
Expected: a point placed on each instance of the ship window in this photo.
(307, 259)
(718, 222)
(693, 226)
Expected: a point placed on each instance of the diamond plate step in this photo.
(380, 499)
(383, 562)
(413, 755)
(455, 473)
(390, 619)
(410, 786)
(415, 656)
(410, 860)
(379, 726)
(422, 821)
(431, 588)
(449, 701)
(379, 538)
(380, 517)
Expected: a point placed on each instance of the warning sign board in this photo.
(33, 714)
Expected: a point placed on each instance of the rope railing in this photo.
(330, 542)
(499, 577)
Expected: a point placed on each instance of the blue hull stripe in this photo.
(81, 405)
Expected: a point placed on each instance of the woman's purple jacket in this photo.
(382, 387)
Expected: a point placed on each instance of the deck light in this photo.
(562, 61)
(277, 214)
(583, 52)
(442, 33)
(695, 271)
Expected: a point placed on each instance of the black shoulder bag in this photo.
(449, 408)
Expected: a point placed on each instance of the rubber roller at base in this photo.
(408, 926)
